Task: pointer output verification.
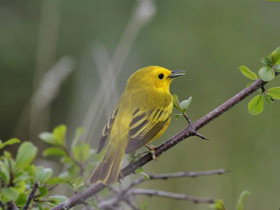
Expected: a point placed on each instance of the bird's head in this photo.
(153, 76)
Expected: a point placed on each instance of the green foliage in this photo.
(218, 205)
(266, 73)
(26, 154)
(57, 137)
(42, 174)
(81, 152)
(240, 202)
(248, 73)
(182, 107)
(9, 142)
(256, 105)
(274, 93)
(275, 56)
(185, 104)
(141, 171)
(19, 175)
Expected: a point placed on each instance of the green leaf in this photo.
(9, 142)
(58, 198)
(57, 180)
(177, 116)
(274, 0)
(9, 194)
(240, 202)
(176, 102)
(79, 182)
(59, 134)
(21, 200)
(26, 153)
(146, 176)
(256, 105)
(5, 173)
(275, 56)
(42, 174)
(43, 191)
(219, 205)
(266, 73)
(274, 93)
(277, 68)
(268, 98)
(185, 104)
(248, 73)
(139, 170)
(48, 138)
(78, 133)
(20, 187)
(54, 151)
(81, 152)
(266, 61)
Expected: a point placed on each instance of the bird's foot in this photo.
(152, 150)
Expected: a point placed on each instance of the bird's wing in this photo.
(106, 130)
(145, 126)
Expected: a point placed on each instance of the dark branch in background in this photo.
(31, 196)
(125, 195)
(187, 132)
(2, 206)
(12, 206)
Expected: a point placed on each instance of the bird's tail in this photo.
(108, 169)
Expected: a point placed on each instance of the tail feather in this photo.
(108, 169)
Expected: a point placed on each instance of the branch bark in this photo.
(187, 132)
(177, 196)
(125, 194)
(31, 196)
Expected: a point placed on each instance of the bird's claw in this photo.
(152, 150)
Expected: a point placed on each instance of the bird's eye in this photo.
(160, 76)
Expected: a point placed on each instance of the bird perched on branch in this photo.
(142, 115)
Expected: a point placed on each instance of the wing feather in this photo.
(145, 126)
(106, 131)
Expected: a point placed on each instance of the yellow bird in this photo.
(142, 115)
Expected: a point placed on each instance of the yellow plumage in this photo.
(142, 115)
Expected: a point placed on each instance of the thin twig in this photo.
(12, 206)
(129, 203)
(129, 169)
(177, 175)
(31, 196)
(176, 196)
(125, 195)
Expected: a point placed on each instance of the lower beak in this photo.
(177, 73)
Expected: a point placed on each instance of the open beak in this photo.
(176, 73)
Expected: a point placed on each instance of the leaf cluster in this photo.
(220, 205)
(18, 176)
(267, 72)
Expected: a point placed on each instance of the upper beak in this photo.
(176, 73)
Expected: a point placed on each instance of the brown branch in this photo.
(31, 196)
(192, 174)
(12, 206)
(176, 196)
(187, 132)
(125, 194)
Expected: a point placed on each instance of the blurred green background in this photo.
(109, 40)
